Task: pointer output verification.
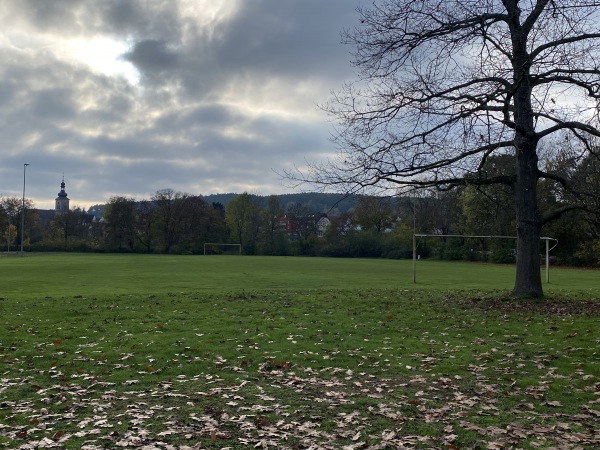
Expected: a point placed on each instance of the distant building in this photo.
(311, 224)
(322, 225)
(61, 204)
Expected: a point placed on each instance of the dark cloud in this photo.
(150, 56)
(7, 92)
(142, 19)
(53, 104)
(209, 116)
(299, 38)
(291, 40)
(56, 15)
(123, 16)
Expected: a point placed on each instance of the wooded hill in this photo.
(313, 201)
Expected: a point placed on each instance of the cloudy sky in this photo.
(126, 97)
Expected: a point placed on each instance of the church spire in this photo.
(62, 201)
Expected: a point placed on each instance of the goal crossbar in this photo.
(416, 235)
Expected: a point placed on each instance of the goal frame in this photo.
(416, 235)
(223, 244)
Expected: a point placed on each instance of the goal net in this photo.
(219, 248)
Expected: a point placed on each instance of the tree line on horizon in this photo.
(369, 226)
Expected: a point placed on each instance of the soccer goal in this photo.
(219, 248)
(415, 257)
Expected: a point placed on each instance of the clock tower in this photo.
(62, 201)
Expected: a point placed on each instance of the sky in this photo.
(128, 97)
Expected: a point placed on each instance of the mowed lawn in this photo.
(191, 352)
(96, 274)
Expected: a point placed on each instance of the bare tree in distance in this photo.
(443, 85)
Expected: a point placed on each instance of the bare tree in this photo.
(445, 84)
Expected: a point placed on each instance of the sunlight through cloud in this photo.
(104, 55)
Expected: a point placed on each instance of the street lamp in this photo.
(8, 242)
(23, 209)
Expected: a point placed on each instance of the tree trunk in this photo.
(528, 280)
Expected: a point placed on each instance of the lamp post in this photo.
(23, 209)
(8, 242)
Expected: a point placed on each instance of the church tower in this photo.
(62, 201)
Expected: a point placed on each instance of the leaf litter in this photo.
(386, 395)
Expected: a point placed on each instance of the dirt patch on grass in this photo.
(546, 306)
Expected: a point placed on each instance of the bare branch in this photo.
(561, 42)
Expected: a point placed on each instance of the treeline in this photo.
(180, 223)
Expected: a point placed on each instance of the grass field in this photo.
(160, 352)
(80, 274)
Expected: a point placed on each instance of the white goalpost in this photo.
(223, 246)
(415, 236)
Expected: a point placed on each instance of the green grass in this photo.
(122, 351)
(79, 274)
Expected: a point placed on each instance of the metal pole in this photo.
(414, 241)
(547, 261)
(414, 258)
(23, 209)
